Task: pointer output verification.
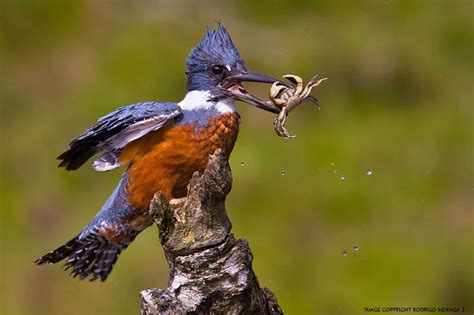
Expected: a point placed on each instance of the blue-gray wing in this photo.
(114, 131)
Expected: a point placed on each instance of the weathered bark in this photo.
(210, 271)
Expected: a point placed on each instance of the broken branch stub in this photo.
(210, 271)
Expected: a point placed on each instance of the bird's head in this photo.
(215, 66)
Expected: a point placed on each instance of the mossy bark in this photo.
(210, 271)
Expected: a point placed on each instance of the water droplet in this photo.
(282, 173)
(242, 163)
(369, 172)
(344, 253)
(355, 247)
(343, 177)
(335, 171)
(332, 163)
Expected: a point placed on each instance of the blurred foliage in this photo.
(398, 101)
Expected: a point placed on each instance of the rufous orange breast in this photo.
(165, 160)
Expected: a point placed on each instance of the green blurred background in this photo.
(398, 102)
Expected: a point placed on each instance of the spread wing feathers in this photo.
(114, 131)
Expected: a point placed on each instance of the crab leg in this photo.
(279, 125)
(304, 96)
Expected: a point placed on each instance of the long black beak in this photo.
(248, 76)
(232, 84)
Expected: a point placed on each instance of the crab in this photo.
(288, 98)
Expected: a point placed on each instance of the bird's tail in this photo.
(91, 256)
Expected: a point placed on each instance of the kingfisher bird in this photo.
(161, 145)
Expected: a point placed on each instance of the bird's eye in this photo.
(217, 70)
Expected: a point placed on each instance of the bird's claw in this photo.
(288, 98)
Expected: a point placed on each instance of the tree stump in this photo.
(210, 271)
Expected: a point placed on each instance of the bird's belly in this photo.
(165, 160)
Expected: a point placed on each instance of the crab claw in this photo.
(275, 90)
(297, 81)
